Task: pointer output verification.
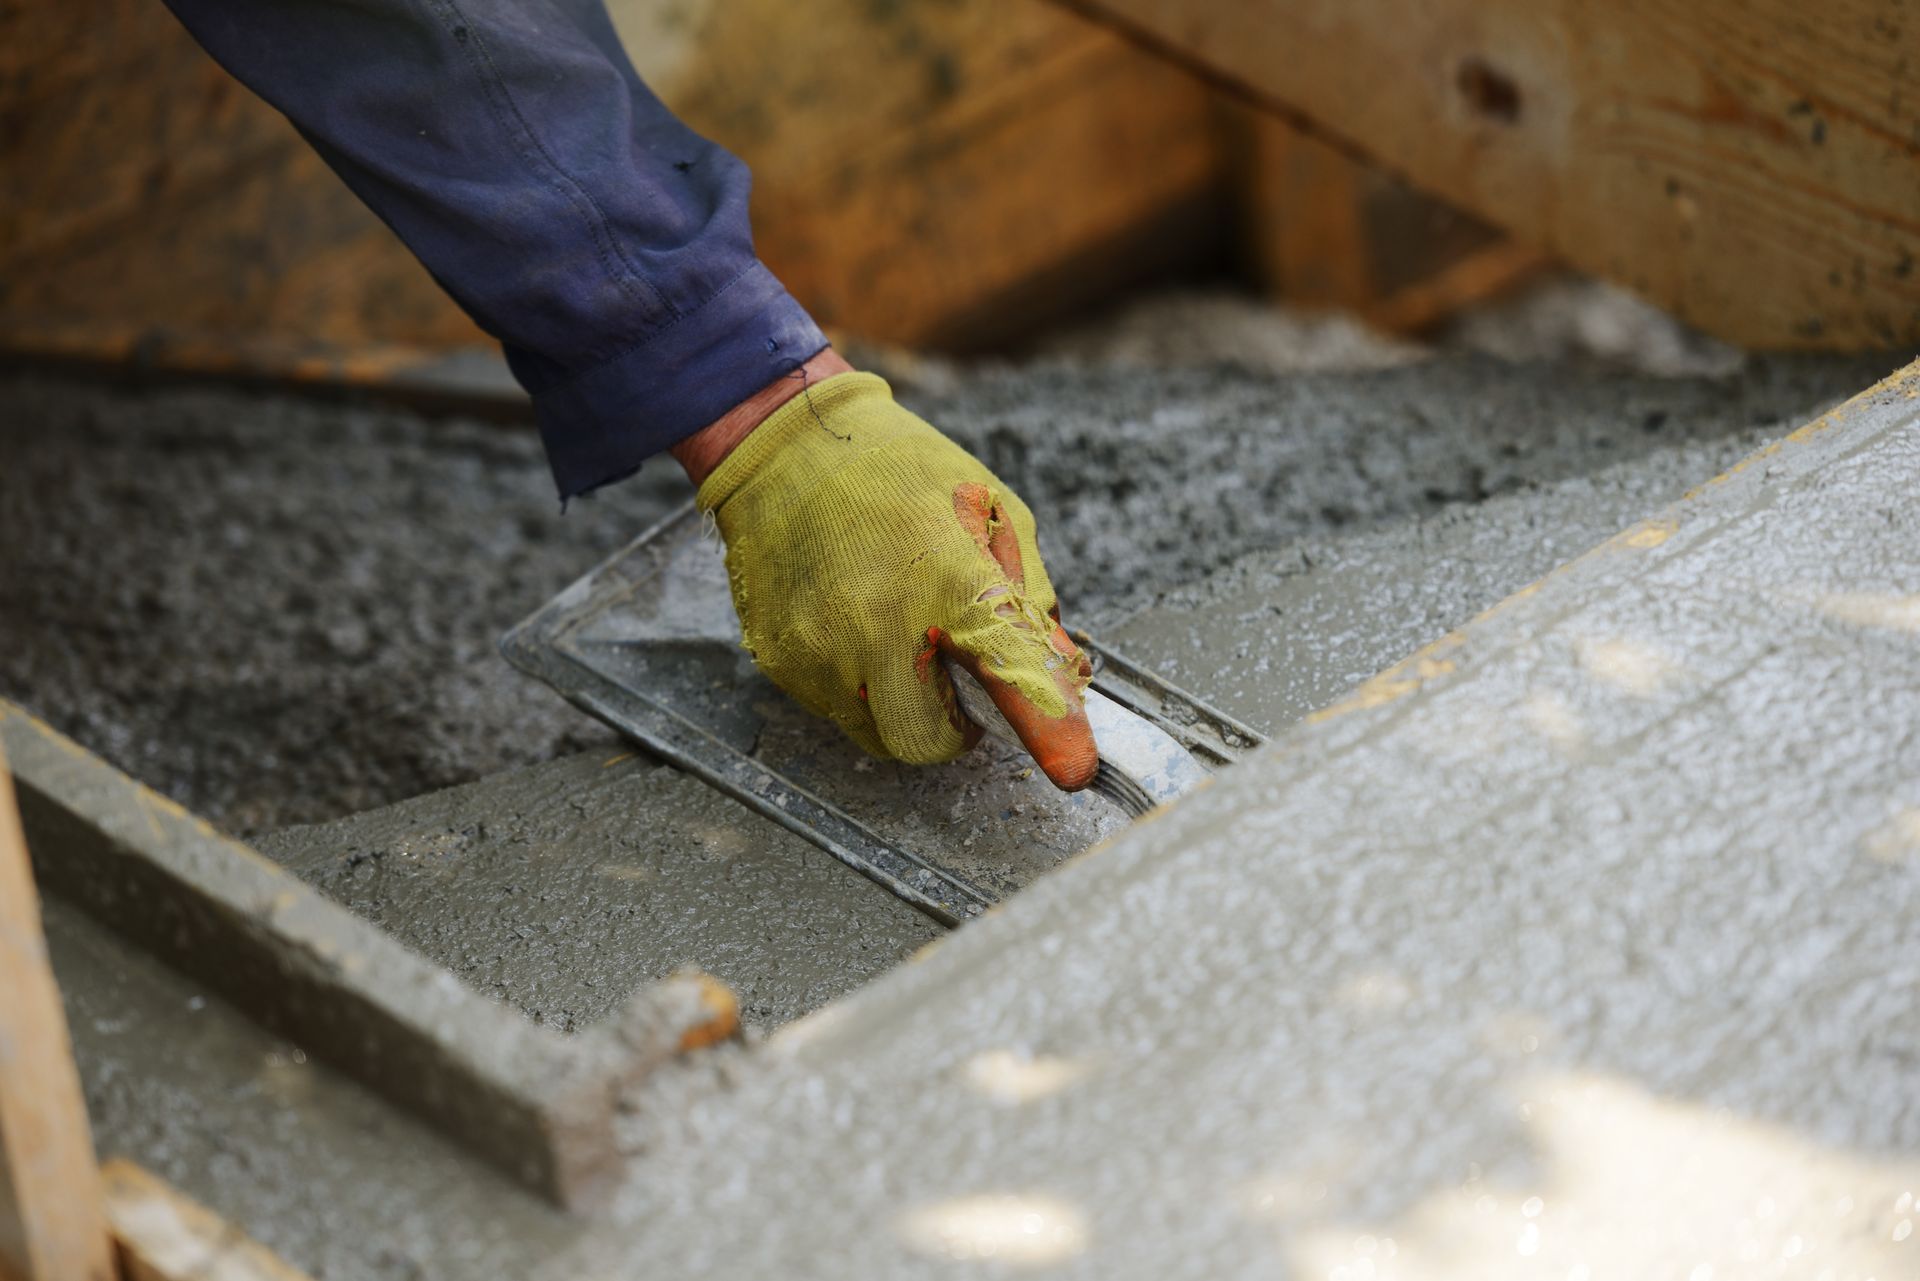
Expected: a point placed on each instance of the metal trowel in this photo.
(647, 641)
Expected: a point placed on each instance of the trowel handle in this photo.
(1141, 765)
(979, 705)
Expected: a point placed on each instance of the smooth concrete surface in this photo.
(564, 887)
(1585, 944)
(324, 1171)
(1278, 634)
(535, 1104)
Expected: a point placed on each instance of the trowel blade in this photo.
(647, 642)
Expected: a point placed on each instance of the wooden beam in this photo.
(161, 1235)
(913, 165)
(51, 1224)
(1751, 165)
(1321, 227)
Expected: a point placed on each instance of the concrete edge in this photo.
(1440, 658)
(1324, 736)
(535, 1104)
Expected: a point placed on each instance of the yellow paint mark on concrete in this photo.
(1648, 534)
(1800, 435)
(1396, 682)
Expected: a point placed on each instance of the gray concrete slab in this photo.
(279, 612)
(319, 1168)
(533, 1103)
(1278, 634)
(565, 887)
(1584, 944)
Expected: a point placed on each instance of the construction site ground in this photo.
(282, 614)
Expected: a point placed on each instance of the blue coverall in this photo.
(512, 146)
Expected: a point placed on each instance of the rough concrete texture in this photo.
(1586, 944)
(1582, 945)
(1153, 478)
(531, 1102)
(541, 888)
(276, 611)
(316, 1167)
(280, 612)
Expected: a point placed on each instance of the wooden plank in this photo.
(913, 242)
(282, 249)
(980, 144)
(1751, 165)
(1320, 227)
(162, 1235)
(51, 1224)
(93, 154)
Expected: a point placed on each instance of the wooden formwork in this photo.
(939, 175)
(1752, 166)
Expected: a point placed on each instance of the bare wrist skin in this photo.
(703, 451)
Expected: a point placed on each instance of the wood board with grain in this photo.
(914, 166)
(52, 1226)
(1753, 166)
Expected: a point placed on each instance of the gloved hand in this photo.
(862, 546)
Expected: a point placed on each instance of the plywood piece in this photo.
(161, 1235)
(51, 1224)
(1751, 165)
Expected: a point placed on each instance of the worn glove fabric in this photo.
(861, 546)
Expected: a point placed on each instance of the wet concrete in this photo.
(1583, 945)
(564, 887)
(1153, 479)
(321, 1170)
(1278, 634)
(276, 611)
(280, 612)
(1389, 985)
(533, 1103)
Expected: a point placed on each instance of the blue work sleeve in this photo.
(512, 146)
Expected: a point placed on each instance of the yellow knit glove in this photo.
(862, 545)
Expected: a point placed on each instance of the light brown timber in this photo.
(51, 1224)
(161, 1235)
(1751, 165)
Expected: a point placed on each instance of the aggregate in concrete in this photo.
(535, 1104)
(564, 887)
(278, 612)
(560, 888)
(1586, 943)
(323, 1171)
